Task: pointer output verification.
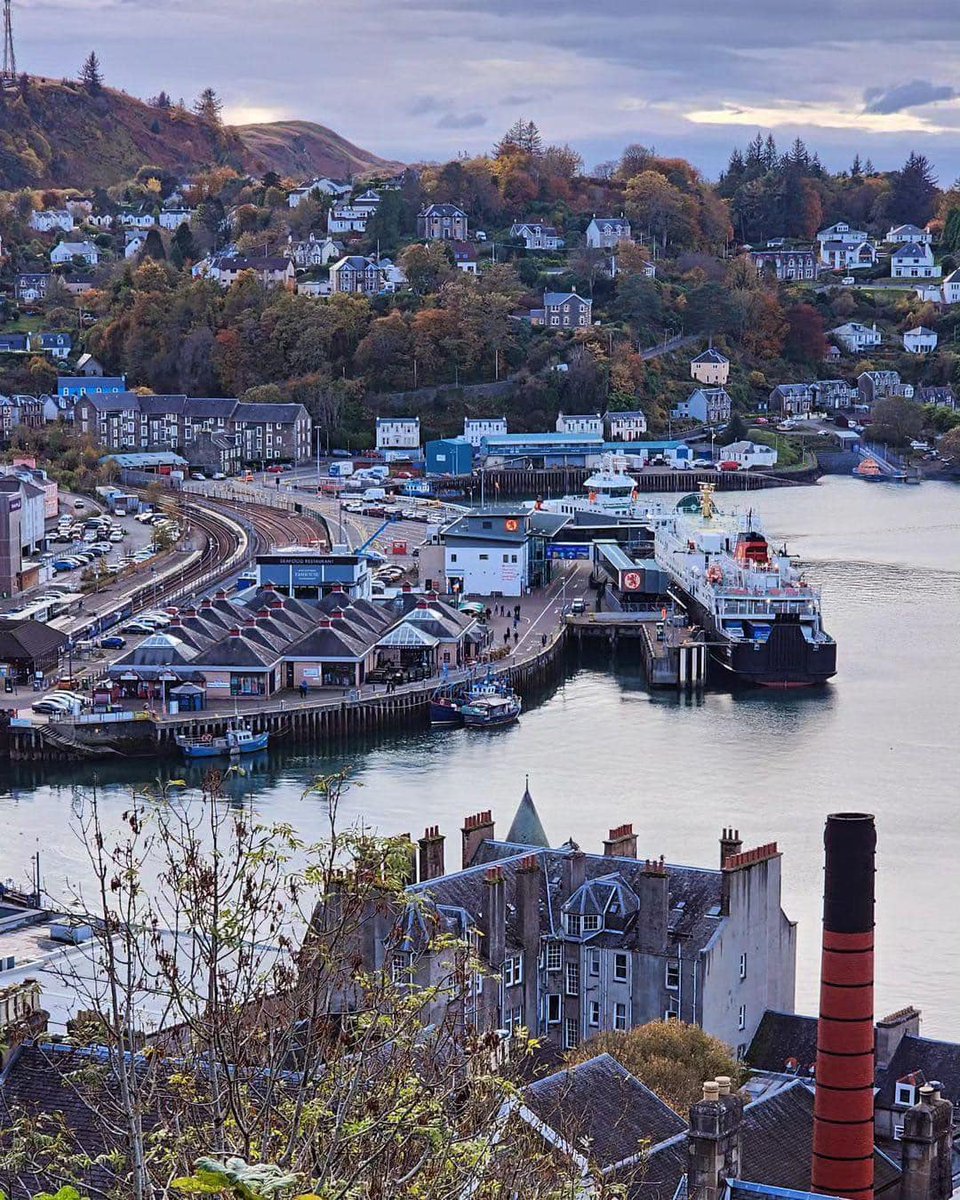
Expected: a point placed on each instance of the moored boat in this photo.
(238, 739)
(491, 712)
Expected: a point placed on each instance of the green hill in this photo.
(55, 134)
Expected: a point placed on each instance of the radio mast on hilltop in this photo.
(9, 55)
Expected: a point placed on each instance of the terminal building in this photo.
(577, 450)
(305, 574)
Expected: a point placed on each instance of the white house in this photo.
(398, 433)
(606, 233)
(327, 187)
(707, 405)
(920, 340)
(64, 252)
(901, 234)
(951, 288)
(536, 236)
(626, 426)
(711, 367)
(856, 337)
(749, 454)
(51, 218)
(353, 217)
(475, 429)
(848, 256)
(585, 423)
(135, 240)
(136, 220)
(841, 232)
(173, 218)
(913, 260)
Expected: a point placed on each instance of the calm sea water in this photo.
(601, 749)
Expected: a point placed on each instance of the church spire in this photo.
(527, 828)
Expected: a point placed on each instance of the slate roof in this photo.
(443, 210)
(527, 828)
(28, 639)
(600, 1108)
(694, 892)
(912, 250)
(782, 1037)
(552, 299)
(923, 1056)
(710, 355)
(282, 414)
(267, 262)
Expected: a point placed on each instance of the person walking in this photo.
(516, 637)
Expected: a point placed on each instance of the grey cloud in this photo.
(914, 94)
(523, 99)
(471, 120)
(425, 104)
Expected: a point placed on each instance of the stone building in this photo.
(584, 943)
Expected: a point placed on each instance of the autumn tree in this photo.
(896, 421)
(427, 266)
(671, 1058)
(91, 76)
(655, 206)
(804, 341)
(949, 446)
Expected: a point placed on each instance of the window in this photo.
(620, 967)
(591, 923)
(453, 558)
(572, 921)
(906, 1094)
(594, 1014)
(553, 1008)
(484, 557)
(554, 956)
(673, 975)
(573, 979)
(513, 1019)
(595, 962)
(670, 1015)
(742, 1017)
(513, 558)
(571, 1033)
(743, 966)
(506, 558)
(512, 971)
(400, 968)
(620, 1016)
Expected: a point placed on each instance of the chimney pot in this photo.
(711, 1090)
(723, 1083)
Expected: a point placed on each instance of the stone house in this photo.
(786, 265)
(626, 426)
(709, 406)
(356, 274)
(565, 310)
(792, 399)
(442, 222)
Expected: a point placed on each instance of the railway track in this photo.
(274, 527)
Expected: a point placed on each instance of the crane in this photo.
(373, 536)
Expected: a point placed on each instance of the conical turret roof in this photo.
(527, 828)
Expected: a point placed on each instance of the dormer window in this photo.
(591, 923)
(572, 923)
(906, 1094)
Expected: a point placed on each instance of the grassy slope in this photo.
(59, 136)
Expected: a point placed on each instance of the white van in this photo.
(373, 493)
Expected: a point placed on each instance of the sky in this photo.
(424, 80)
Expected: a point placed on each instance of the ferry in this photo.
(609, 492)
(239, 739)
(762, 618)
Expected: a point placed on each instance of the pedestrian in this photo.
(543, 639)
(516, 637)
(303, 691)
(516, 621)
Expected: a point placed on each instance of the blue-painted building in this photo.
(306, 574)
(75, 386)
(576, 449)
(449, 456)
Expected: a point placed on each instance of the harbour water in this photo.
(601, 749)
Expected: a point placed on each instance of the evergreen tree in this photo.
(153, 247)
(856, 167)
(209, 107)
(951, 230)
(161, 100)
(868, 167)
(770, 156)
(90, 75)
(523, 136)
(183, 247)
(913, 192)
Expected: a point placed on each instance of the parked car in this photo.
(113, 642)
(218, 475)
(139, 627)
(198, 476)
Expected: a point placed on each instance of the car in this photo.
(79, 505)
(218, 475)
(50, 708)
(62, 564)
(138, 627)
(113, 642)
(117, 535)
(578, 607)
(848, 281)
(198, 476)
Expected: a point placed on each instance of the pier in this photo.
(674, 653)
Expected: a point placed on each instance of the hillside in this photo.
(301, 148)
(57, 135)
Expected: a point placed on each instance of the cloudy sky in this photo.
(424, 79)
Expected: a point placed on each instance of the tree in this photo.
(949, 446)
(913, 192)
(91, 77)
(427, 266)
(153, 247)
(183, 247)
(896, 421)
(805, 341)
(656, 206)
(209, 107)
(522, 136)
(735, 431)
(237, 948)
(671, 1058)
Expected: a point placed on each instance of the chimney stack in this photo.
(653, 892)
(730, 844)
(927, 1147)
(527, 901)
(476, 830)
(622, 843)
(843, 1132)
(431, 853)
(713, 1140)
(494, 921)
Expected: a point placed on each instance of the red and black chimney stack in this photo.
(843, 1135)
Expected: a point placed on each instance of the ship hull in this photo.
(785, 660)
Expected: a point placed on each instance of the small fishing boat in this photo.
(238, 739)
(445, 710)
(491, 711)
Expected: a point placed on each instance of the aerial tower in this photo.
(9, 74)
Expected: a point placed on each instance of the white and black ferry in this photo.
(762, 618)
